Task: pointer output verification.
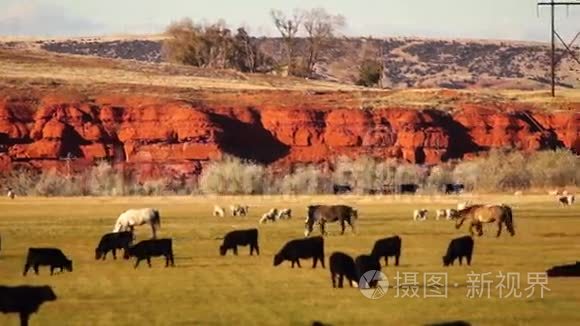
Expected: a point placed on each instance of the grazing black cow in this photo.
(450, 323)
(388, 247)
(112, 242)
(408, 188)
(52, 257)
(152, 248)
(237, 238)
(454, 188)
(341, 189)
(572, 270)
(341, 266)
(365, 263)
(297, 249)
(459, 248)
(24, 300)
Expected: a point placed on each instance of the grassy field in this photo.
(205, 288)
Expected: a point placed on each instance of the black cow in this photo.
(572, 270)
(459, 248)
(341, 189)
(293, 250)
(152, 248)
(52, 257)
(365, 263)
(237, 238)
(24, 300)
(388, 247)
(112, 242)
(454, 188)
(408, 188)
(341, 266)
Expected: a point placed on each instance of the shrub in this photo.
(305, 180)
(232, 176)
(370, 73)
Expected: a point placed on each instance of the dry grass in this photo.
(205, 288)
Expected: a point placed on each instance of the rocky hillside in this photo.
(179, 136)
(157, 119)
(408, 62)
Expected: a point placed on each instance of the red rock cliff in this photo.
(158, 136)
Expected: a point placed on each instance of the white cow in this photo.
(440, 213)
(463, 205)
(451, 213)
(420, 214)
(284, 213)
(134, 217)
(567, 200)
(11, 194)
(271, 215)
(239, 210)
(218, 211)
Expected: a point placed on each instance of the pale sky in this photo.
(487, 19)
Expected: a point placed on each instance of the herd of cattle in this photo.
(26, 300)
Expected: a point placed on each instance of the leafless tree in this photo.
(288, 26)
(320, 27)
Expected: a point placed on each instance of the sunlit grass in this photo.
(205, 288)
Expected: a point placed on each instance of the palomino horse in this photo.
(132, 217)
(321, 214)
(479, 214)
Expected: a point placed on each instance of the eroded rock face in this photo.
(156, 137)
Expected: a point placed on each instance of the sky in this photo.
(481, 19)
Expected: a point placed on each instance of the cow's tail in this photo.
(509, 220)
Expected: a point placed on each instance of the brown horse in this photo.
(479, 214)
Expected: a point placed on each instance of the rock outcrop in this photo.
(155, 136)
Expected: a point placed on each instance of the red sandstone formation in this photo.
(156, 136)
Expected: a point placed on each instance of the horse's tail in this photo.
(509, 220)
(156, 220)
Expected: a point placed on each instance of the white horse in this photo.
(134, 217)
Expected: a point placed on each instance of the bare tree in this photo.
(288, 26)
(320, 28)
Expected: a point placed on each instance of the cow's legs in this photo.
(293, 262)
(137, 262)
(340, 280)
(257, 249)
(333, 278)
(322, 260)
(149, 261)
(251, 250)
(298, 263)
(35, 269)
(24, 316)
(114, 253)
(460, 260)
(235, 250)
(154, 230)
(314, 261)
(342, 227)
(471, 229)
(26, 268)
(397, 260)
(499, 226)
(52, 269)
(468, 258)
(479, 228)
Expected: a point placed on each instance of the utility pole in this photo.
(553, 4)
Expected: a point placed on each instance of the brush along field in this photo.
(205, 288)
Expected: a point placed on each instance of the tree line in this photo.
(306, 36)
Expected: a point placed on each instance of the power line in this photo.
(553, 4)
